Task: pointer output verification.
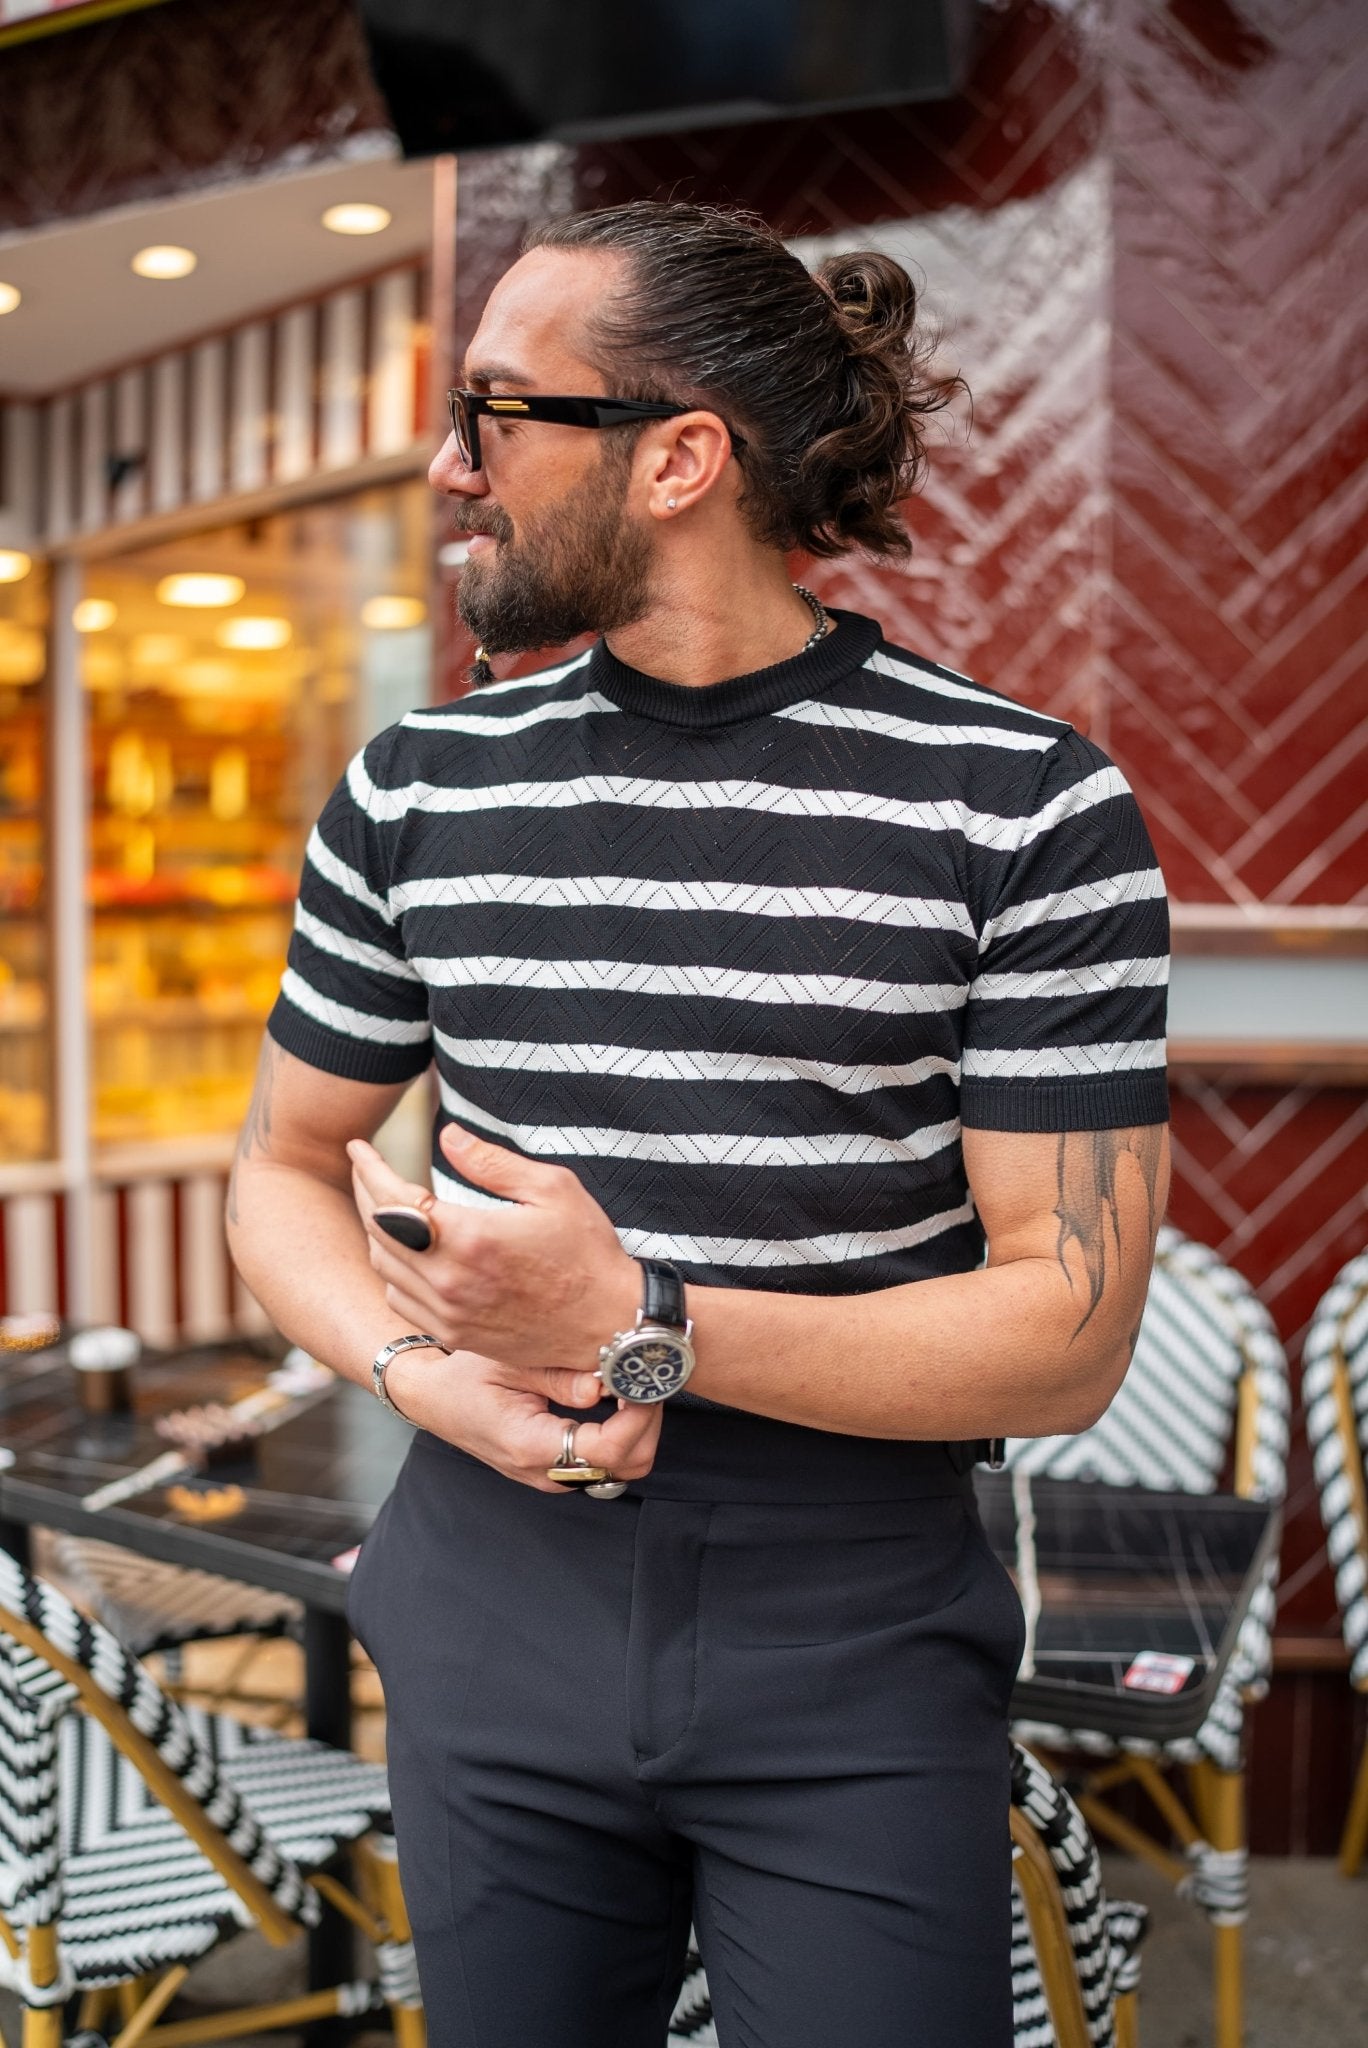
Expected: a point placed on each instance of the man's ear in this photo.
(684, 463)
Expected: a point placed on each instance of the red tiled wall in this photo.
(1143, 228)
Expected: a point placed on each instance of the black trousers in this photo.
(784, 1721)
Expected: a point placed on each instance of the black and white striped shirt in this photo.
(745, 957)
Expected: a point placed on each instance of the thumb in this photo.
(494, 1167)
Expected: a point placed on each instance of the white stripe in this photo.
(626, 892)
(497, 970)
(321, 857)
(905, 672)
(351, 1023)
(1140, 885)
(705, 1148)
(542, 680)
(832, 1249)
(853, 718)
(1098, 979)
(1117, 1056)
(514, 1055)
(1003, 835)
(329, 940)
(494, 728)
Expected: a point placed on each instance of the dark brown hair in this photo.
(826, 375)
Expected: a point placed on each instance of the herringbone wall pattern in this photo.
(1143, 231)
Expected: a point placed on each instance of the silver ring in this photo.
(567, 1456)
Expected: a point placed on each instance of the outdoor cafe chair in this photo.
(1208, 1368)
(1335, 1396)
(136, 1835)
(1075, 1954)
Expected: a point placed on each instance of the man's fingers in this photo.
(501, 1171)
(378, 1180)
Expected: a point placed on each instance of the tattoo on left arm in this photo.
(255, 1135)
(1087, 1207)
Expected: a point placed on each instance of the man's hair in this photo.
(825, 375)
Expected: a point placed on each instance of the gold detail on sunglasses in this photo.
(507, 404)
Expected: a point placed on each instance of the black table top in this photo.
(1121, 1571)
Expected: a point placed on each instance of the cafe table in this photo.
(1135, 1598)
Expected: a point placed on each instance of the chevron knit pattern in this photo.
(1169, 1428)
(153, 1606)
(83, 1839)
(1105, 1937)
(1339, 1329)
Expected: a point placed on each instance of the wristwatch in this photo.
(654, 1360)
(415, 1341)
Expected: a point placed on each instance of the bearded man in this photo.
(797, 1009)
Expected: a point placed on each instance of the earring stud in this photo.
(670, 504)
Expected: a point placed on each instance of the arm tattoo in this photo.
(1087, 1208)
(255, 1135)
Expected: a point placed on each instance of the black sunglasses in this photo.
(467, 406)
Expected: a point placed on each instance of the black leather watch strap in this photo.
(663, 1294)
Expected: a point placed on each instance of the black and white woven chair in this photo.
(1208, 1369)
(1335, 1396)
(1075, 1956)
(136, 1835)
(157, 1609)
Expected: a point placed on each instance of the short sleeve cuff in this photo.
(1110, 1102)
(352, 1059)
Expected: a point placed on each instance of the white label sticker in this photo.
(1157, 1671)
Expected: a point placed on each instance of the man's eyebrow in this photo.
(497, 373)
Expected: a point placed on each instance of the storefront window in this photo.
(26, 1119)
(229, 678)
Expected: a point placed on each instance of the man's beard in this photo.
(583, 568)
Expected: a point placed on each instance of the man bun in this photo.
(826, 376)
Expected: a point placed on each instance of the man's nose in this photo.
(448, 474)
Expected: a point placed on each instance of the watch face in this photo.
(648, 1365)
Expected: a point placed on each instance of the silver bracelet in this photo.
(415, 1341)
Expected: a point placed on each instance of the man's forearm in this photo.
(994, 1352)
(300, 1246)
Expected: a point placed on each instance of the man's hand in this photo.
(494, 1413)
(540, 1281)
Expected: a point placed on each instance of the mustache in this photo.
(495, 523)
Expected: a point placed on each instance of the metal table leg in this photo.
(327, 1718)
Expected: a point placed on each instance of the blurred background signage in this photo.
(460, 75)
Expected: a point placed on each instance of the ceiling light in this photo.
(14, 565)
(158, 650)
(356, 218)
(10, 296)
(247, 634)
(388, 614)
(201, 592)
(164, 260)
(94, 614)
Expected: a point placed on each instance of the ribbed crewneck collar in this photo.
(748, 696)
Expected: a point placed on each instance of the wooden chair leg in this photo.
(382, 1872)
(1221, 1800)
(42, 2024)
(1127, 2020)
(1356, 1825)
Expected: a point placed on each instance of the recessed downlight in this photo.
(164, 260)
(14, 565)
(200, 592)
(356, 217)
(10, 295)
(94, 615)
(391, 614)
(254, 635)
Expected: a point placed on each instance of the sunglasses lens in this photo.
(459, 427)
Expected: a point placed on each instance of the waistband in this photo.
(712, 1453)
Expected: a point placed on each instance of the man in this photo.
(804, 971)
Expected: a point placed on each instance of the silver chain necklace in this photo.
(818, 610)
